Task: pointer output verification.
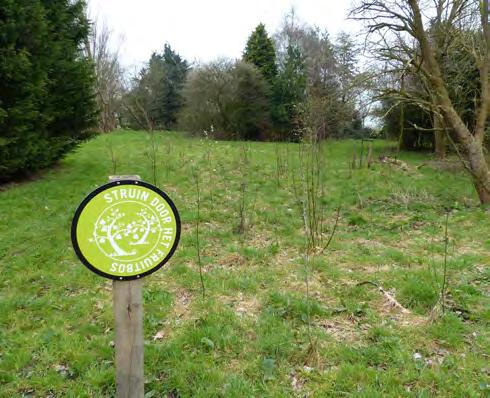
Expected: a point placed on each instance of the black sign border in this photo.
(102, 188)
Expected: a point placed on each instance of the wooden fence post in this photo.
(129, 340)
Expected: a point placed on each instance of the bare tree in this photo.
(397, 22)
(138, 108)
(336, 87)
(209, 95)
(140, 96)
(108, 73)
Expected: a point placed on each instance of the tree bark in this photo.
(401, 121)
(439, 138)
(479, 170)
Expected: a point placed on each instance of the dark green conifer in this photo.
(47, 105)
(261, 53)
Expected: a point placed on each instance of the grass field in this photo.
(254, 334)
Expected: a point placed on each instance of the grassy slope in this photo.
(248, 337)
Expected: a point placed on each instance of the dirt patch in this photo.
(317, 284)
(371, 269)
(344, 329)
(181, 312)
(386, 310)
(181, 307)
(261, 240)
(396, 163)
(232, 260)
(452, 166)
(187, 228)
(286, 257)
(243, 305)
(297, 382)
(371, 244)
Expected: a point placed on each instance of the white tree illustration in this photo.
(111, 229)
(142, 228)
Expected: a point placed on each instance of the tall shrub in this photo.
(47, 103)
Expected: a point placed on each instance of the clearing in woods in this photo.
(250, 336)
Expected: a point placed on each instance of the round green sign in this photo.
(125, 230)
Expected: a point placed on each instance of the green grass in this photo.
(249, 336)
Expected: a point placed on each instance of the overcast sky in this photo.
(206, 29)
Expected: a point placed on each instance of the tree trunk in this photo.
(472, 145)
(479, 171)
(402, 127)
(439, 138)
(473, 150)
(402, 118)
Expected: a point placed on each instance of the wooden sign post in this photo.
(125, 230)
(128, 327)
(129, 342)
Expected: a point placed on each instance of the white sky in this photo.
(206, 29)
